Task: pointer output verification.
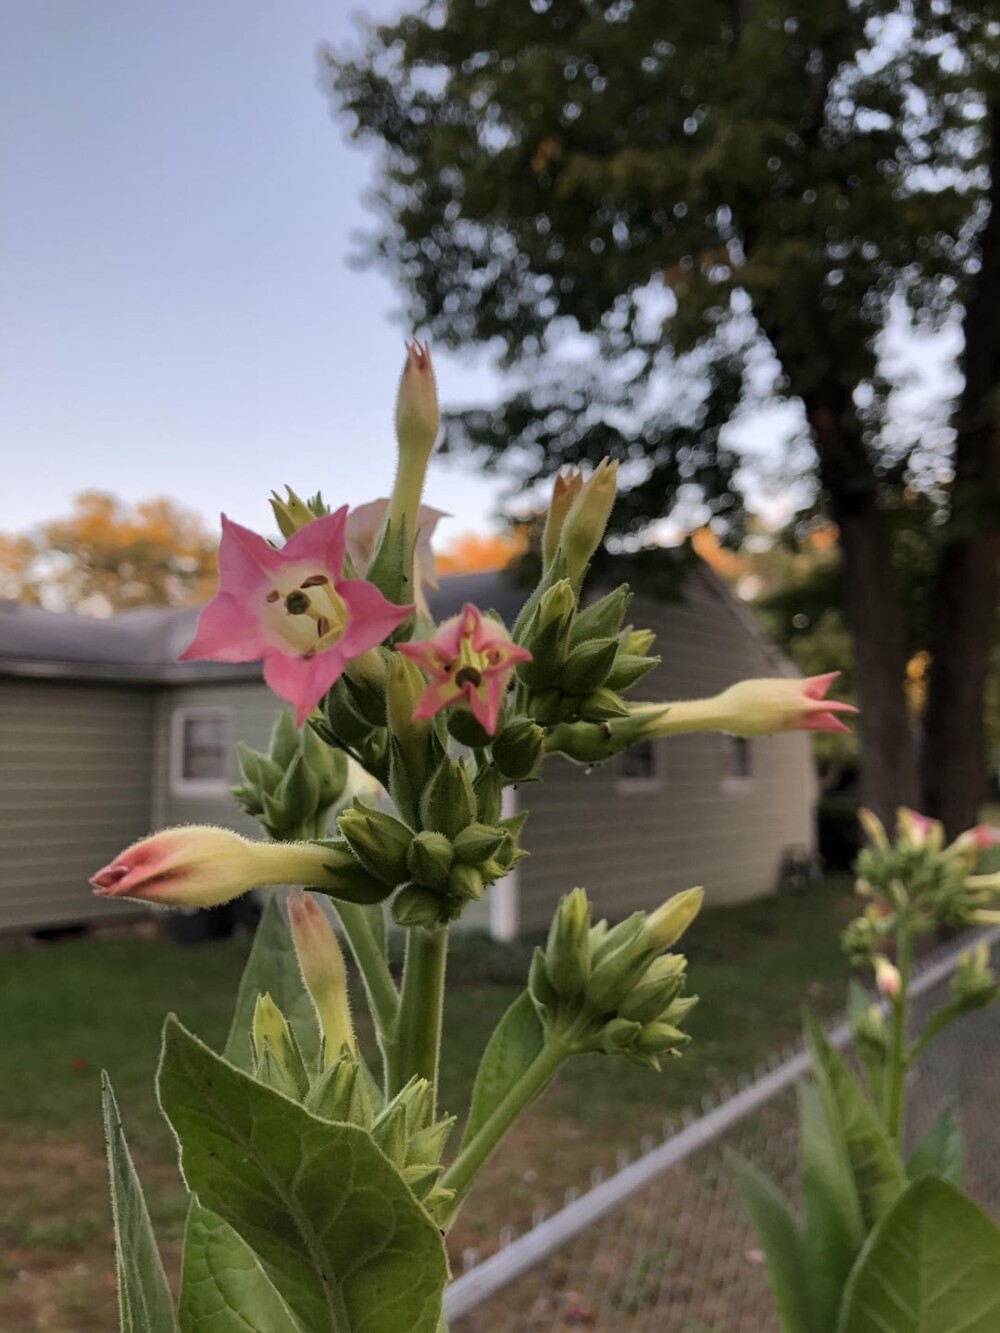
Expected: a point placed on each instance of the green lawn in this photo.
(72, 1007)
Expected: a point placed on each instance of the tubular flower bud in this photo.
(919, 831)
(277, 1057)
(323, 971)
(567, 952)
(756, 708)
(874, 829)
(669, 922)
(417, 417)
(201, 866)
(469, 661)
(565, 488)
(887, 978)
(588, 516)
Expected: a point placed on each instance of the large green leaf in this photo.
(941, 1151)
(931, 1266)
(333, 1224)
(833, 1232)
(875, 1165)
(780, 1238)
(515, 1042)
(144, 1301)
(273, 968)
(223, 1287)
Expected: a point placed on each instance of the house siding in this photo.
(75, 787)
(631, 845)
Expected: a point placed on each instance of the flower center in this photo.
(312, 616)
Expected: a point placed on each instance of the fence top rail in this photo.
(523, 1253)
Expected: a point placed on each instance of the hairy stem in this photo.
(416, 1042)
(898, 1061)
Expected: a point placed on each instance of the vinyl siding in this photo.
(631, 846)
(75, 788)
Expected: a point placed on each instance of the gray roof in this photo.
(138, 647)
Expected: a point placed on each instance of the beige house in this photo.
(104, 737)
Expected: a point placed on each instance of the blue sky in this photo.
(177, 315)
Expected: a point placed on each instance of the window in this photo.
(737, 772)
(199, 752)
(637, 767)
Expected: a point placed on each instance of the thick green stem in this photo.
(533, 1081)
(383, 999)
(416, 1042)
(898, 1061)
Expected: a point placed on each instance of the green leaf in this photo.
(144, 1301)
(515, 1042)
(878, 1173)
(941, 1151)
(332, 1223)
(931, 1266)
(833, 1231)
(780, 1238)
(273, 968)
(223, 1287)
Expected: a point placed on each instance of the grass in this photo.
(72, 1007)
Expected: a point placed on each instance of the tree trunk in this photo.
(871, 603)
(963, 606)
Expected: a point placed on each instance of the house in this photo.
(105, 736)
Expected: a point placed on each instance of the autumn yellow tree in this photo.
(472, 553)
(107, 556)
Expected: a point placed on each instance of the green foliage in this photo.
(515, 1042)
(941, 1151)
(223, 1288)
(833, 1230)
(548, 166)
(781, 1239)
(930, 1267)
(144, 1301)
(334, 1226)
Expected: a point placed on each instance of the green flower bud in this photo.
(660, 985)
(292, 514)
(545, 706)
(379, 841)
(565, 489)
(329, 767)
(478, 843)
(277, 1058)
(625, 932)
(619, 1035)
(659, 1038)
(519, 749)
(586, 667)
(668, 923)
(602, 705)
(427, 1145)
(583, 529)
(567, 951)
(602, 618)
(366, 679)
(637, 642)
(429, 859)
(465, 882)
(348, 878)
(488, 788)
(414, 905)
(543, 993)
(298, 791)
(678, 1010)
(284, 742)
(615, 975)
(448, 804)
(341, 1094)
(415, 738)
(628, 670)
(547, 636)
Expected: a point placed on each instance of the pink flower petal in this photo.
(303, 681)
(227, 632)
(371, 618)
(320, 542)
(245, 560)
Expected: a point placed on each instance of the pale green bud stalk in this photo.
(324, 973)
(583, 529)
(565, 489)
(276, 1052)
(668, 923)
(567, 952)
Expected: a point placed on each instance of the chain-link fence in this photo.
(664, 1245)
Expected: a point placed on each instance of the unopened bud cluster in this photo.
(915, 879)
(293, 786)
(615, 989)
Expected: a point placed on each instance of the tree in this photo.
(470, 552)
(108, 556)
(770, 176)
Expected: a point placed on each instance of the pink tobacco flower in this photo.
(887, 977)
(757, 707)
(293, 609)
(195, 866)
(469, 661)
(978, 839)
(919, 830)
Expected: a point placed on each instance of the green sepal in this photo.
(587, 666)
(465, 883)
(602, 705)
(341, 1093)
(519, 749)
(429, 858)
(478, 842)
(448, 803)
(629, 670)
(379, 841)
(466, 729)
(390, 564)
(602, 618)
(284, 742)
(488, 789)
(415, 905)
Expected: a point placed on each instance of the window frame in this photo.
(180, 785)
(632, 784)
(736, 783)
